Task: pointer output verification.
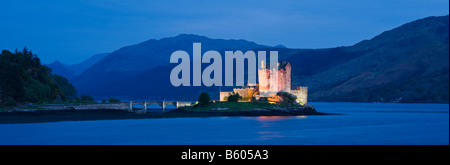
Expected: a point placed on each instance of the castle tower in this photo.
(288, 77)
(284, 77)
(275, 80)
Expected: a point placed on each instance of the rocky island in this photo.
(37, 114)
(253, 107)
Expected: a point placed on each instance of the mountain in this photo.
(70, 71)
(280, 46)
(406, 64)
(61, 69)
(135, 59)
(79, 68)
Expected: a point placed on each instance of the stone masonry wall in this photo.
(302, 95)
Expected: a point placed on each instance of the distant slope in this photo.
(77, 69)
(70, 71)
(60, 69)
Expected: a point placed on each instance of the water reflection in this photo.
(267, 135)
(267, 126)
(274, 118)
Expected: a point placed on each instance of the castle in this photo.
(270, 83)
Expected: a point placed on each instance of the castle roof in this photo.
(281, 65)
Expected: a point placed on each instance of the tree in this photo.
(86, 99)
(113, 100)
(234, 97)
(204, 98)
(287, 97)
(24, 79)
(66, 88)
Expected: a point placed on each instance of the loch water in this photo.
(353, 124)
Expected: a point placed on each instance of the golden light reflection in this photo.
(301, 116)
(272, 118)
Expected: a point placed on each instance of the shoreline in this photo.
(44, 116)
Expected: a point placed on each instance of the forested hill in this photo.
(24, 79)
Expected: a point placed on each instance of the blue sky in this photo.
(73, 30)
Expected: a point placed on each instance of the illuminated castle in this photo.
(270, 83)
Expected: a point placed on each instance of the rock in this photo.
(308, 109)
(219, 109)
(259, 109)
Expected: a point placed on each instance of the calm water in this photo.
(360, 123)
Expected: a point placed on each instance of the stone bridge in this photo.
(163, 104)
(128, 106)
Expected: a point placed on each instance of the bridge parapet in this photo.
(113, 106)
(163, 104)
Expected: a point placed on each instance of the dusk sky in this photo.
(71, 31)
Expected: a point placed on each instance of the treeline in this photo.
(23, 79)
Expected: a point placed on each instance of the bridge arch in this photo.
(154, 106)
(163, 104)
(138, 106)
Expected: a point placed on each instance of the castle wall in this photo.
(288, 78)
(245, 92)
(266, 83)
(281, 80)
(273, 81)
(223, 95)
(284, 79)
(302, 95)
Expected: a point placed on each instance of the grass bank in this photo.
(237, 106)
